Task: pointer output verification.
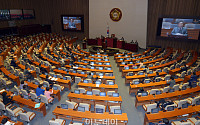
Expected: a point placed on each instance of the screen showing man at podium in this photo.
(186, 28)
(180, 30)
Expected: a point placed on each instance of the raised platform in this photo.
(109, 51)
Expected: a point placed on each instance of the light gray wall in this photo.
(132, 26)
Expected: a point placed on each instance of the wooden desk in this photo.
(92, 70)
(62, 82)
(171, 115)
(16, 123)
(70, 73)
(70, 114)
(104, 78)
(102, 87)
(10, 75)
(30, 104)
(177, 95)
(129, 79)
(56, 93)
(152, 85)
(94, 99)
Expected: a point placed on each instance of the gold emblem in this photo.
(115, 14)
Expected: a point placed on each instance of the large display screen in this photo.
(72, 23)
(28, 14)
(184, 28)
(4, 15)
(16, 14)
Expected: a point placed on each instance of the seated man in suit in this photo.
(180, 30)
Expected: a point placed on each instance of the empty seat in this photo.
(149, 107)
(77, 79)
(109, 93)
(82, 90)
(180, 103)
(57, 122)
(71, 105)
(112, 108)
(100, 107)
(95, 91)
(27, 117)
(14, 112)
(193, 121)
(86, 106)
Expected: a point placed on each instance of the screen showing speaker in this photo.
(72, 23)
(182, 28)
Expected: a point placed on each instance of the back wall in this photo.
(132, 26)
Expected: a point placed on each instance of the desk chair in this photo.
(45, 100)
(14, 112)
(162, 62)
(95, 91)
(167, 77)
(109, 93)
(149, 107)
(157, 64)
(86, 106)
(147, 80)
(46, 83)
(153, 91)
(33, 95)
(82, 90)
(37, 69)
(182, 75)
(194, 121)
(27, 117)
(112, 108)
(136, 81)
(59, 76)
(180, 103)
(5, 82)
(71, 123)
(36, 80)
(60, 88)
(173, 105)
(180, 123)
(69, 78)
(184, 86)
(24, 92)
(171, 67)
(165, 89)
(89, 80)
(57, 122)
(77, 79)
(71, 105)
(21, 75)
(100, 107)
(176, 87)
(193, 101)
(16, 90)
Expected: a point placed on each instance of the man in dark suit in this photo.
(180, 30)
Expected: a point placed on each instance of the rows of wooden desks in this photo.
(101, 87)
(56, 93)
(27, 103)
(189, 92)
(124, 72)
(15, 123)
(89, 117)
(152, 85)
(95, 99)
(62, 82)
(129, 79)
(92, 70)
(176, 114)
(10, 75)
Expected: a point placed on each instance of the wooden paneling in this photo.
(49, 12)
(158, 8)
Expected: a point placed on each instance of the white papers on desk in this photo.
(100, 76)
(3, 90)
(75, 67)
(9, 123)
(54, 79)
(97, 85)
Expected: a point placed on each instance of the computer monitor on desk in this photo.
(99, 110)
(118, 111)
(81, 109)
(64, 106)
(102, 94)
(89, 93)
(77, 91)
(98, 82)
(115, 94)
(25, 96)
(111, 83)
